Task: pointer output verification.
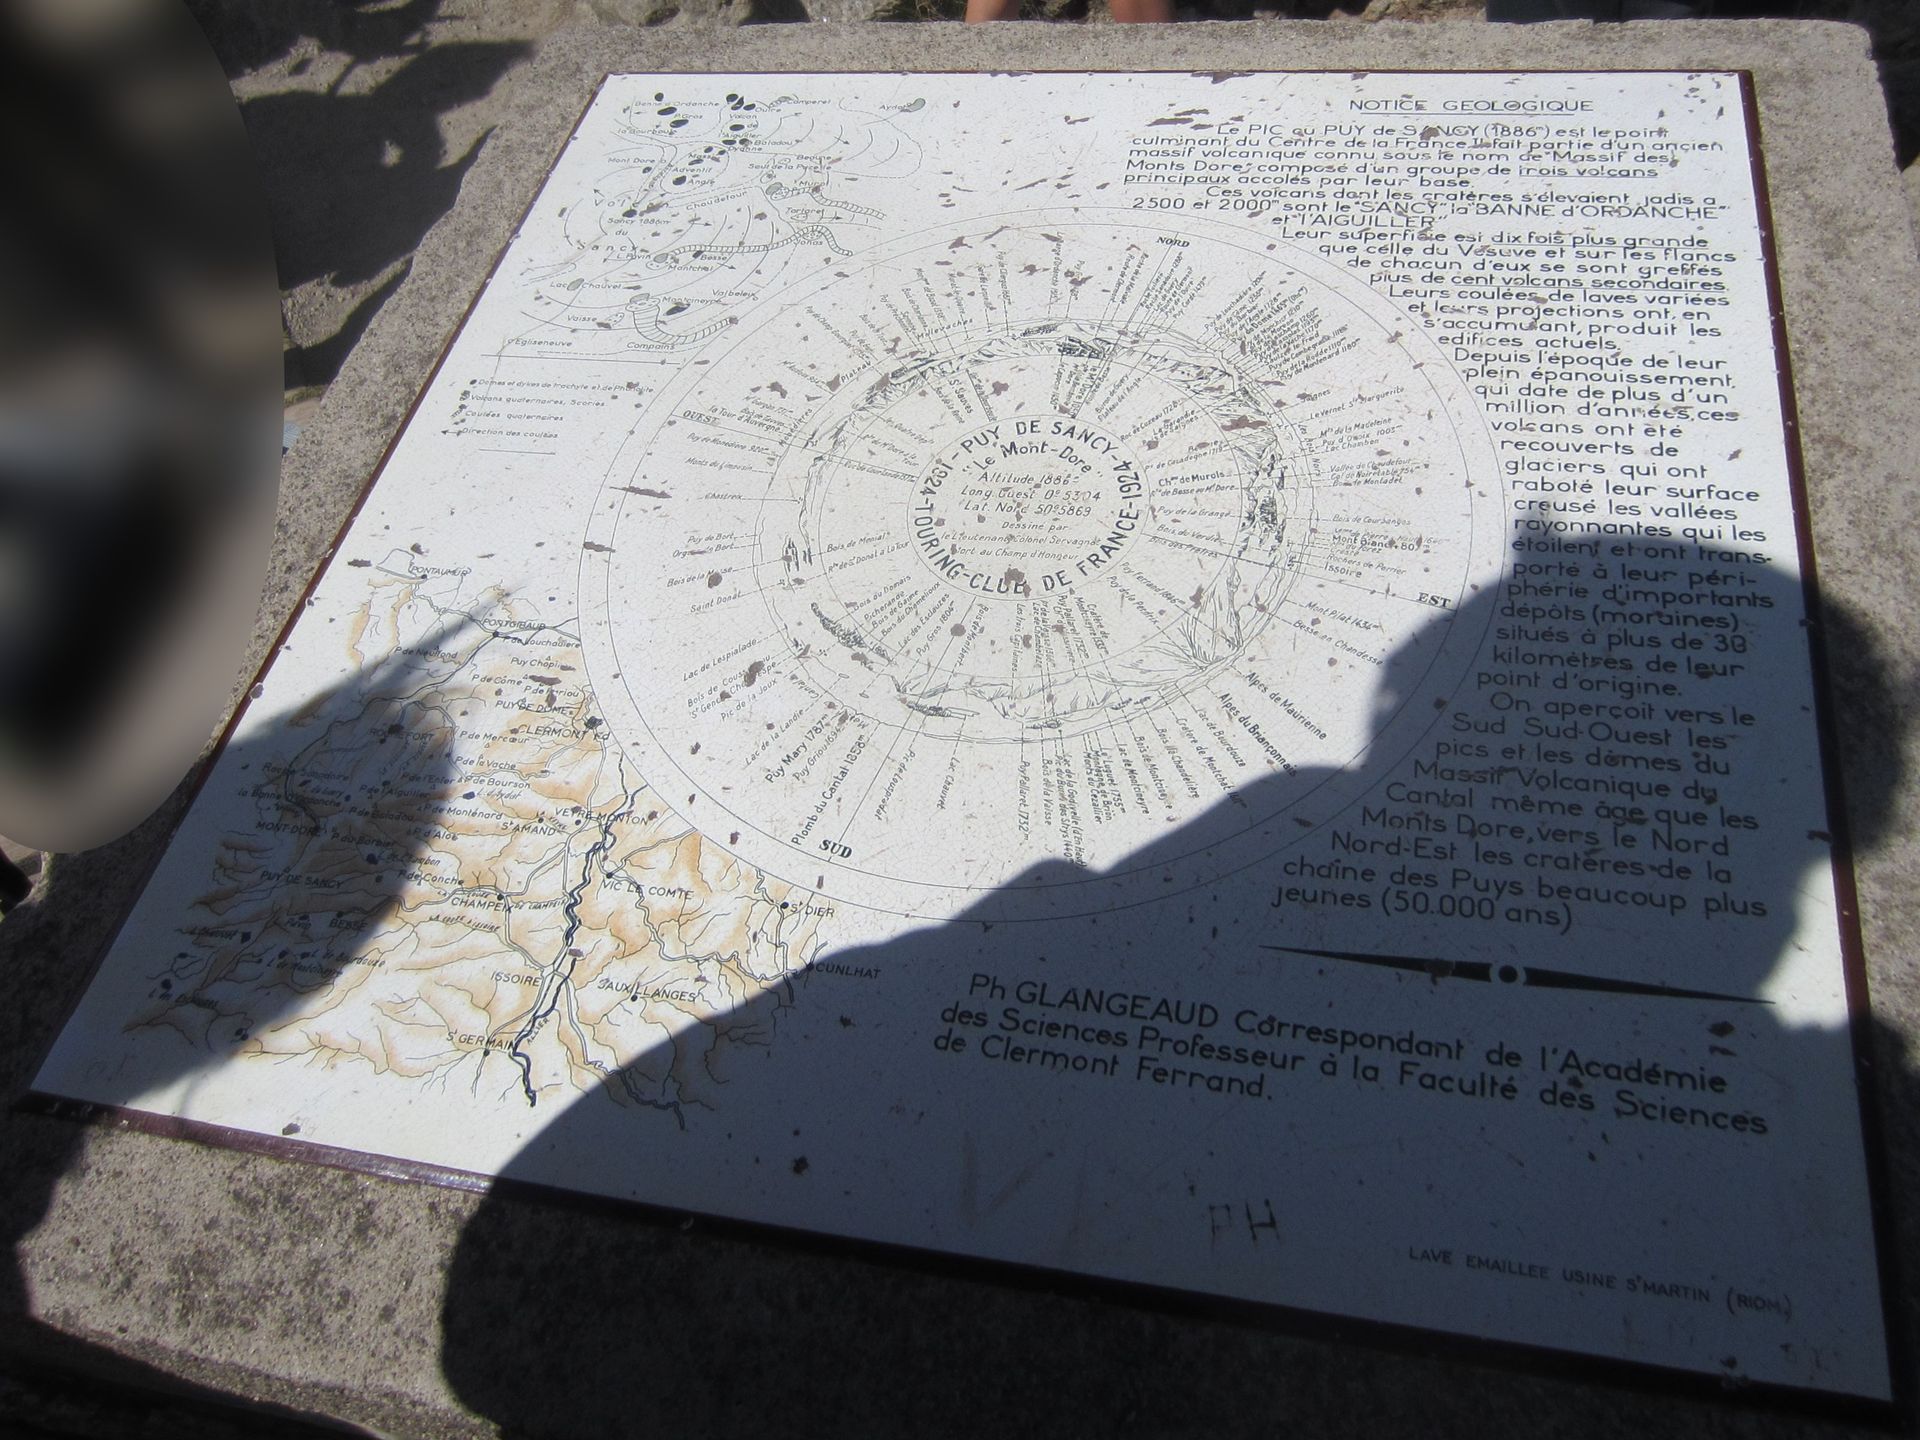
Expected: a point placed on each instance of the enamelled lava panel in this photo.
(1195, 680)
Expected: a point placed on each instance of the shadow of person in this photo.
(1894, 31)
(1467, 1076)
(354, 181)
(355, 174)
(248, 37)
(273, 917)
(1892, 26)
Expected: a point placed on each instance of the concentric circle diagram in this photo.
(1026, 567)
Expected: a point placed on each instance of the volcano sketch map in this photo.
(1194, 679)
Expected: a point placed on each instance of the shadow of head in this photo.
(269, 932)
(1589, 650)
(1871, 705)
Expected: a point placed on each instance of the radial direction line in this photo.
(1441, 969)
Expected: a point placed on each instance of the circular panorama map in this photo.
(1032, 566)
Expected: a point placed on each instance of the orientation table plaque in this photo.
(1192, 679)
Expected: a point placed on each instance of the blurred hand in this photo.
(139, 410)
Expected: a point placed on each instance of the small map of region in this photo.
(707, 206)
(456, 868)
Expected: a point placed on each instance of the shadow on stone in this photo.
(394, 741)
(355, 174)
(775, 12)
(318, 363)
(248, 35)
(1893, 25)
(568, 1316)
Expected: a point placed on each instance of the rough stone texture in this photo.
(151, 1261)
(366, 116)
